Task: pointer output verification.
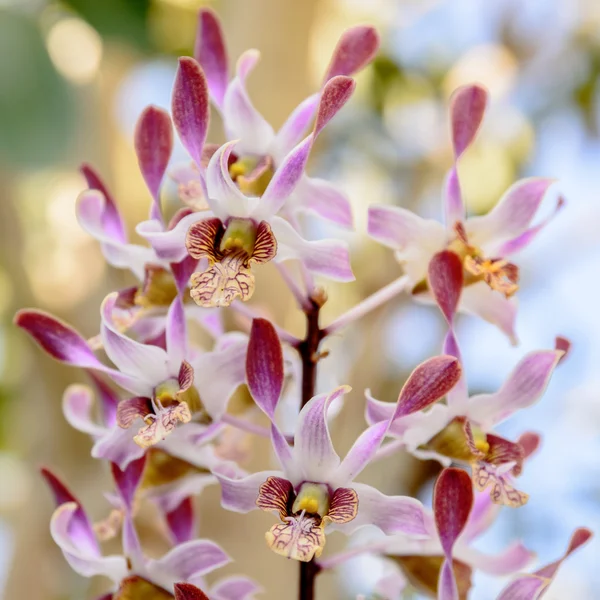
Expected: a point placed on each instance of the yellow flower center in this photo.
(312, 498)
(252, 174)
(239, 235)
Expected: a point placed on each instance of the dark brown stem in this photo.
(309, 353)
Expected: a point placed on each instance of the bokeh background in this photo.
(74, 76)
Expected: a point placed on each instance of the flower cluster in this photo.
(171, 417)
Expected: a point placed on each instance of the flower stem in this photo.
(368, 304)
(309, 353)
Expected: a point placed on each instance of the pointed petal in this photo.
(242, 121)
(78, 403)
(329, 258)
(181, 522)
(295, 126)
(235, 587)
(187, 591)
(512, 215)
(445, 278)
(218, 374)
(224, 197)
(111, 221)
(447, 588)
(458, 396)
(481, 300)
(483, 514)
(467, 107)
(148, 363)
(176, 333)
(153, 146)
(117, 446)
(428, 382)
(264, 366)
(128, 479)
(211, 53)
(324, 199)
(79, 557)
(313, 448)
(511, 560)
(240, 495)
(392, 514)
(190, 107)
(581, 536)
(524, 386)
(190, 559)
(355, 49)
(454, 208)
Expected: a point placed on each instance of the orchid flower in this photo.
(133, 574)
(315, 490)
(533, 586)
(462, 429)
(241, 230)
(484, 244)
(161, 379)
(260, 152)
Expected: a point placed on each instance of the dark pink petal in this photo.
(111, 219)
(336, 93)
(109, 399)
(182, 271)
(296, 125)
(58, 339)
(580, 537)
(127, 480)
(153, 146)
(447, 587)
(429, 382)
(564, 345)
(181, 522)
(176, 335)
(131, 409)
(80, 529)
(355, 49)
(454, 207)
(467, 107)
(187, 591)
(264, 366)
(530, 442)
(211, 53)
(190, 107)
(445, 277)
(452, 503)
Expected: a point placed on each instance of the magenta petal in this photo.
(467, 107)
(447, 588)
(112, 222)
(264, 366)
(452, 503)
(176, 334)
(211, 53)
(355, 49)
(445, 277)
(58, 339)
(128, 480)
(428, 382)
(235, 588)
(80, 528)
(580, 536)
(454, 207)
(187, 591)
(190, 107)
(153, 146)
(181, 522)
(117, 446)
(335, 94)
(296, 125)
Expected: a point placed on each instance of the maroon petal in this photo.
(57, 338)
(130, 409)
(187, 591)
(211, 53)
(429, 382)
(467, 107)
(128, 480)
(445, 276)
(580, 537)
(264, 366)
(153, 146)
(111, 219)
(355, 49)
(190, 107)
(182, 523)
(530, 442)
(109, 400)
(336, 93)
(452, 503)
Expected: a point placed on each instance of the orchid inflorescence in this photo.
(159, 410)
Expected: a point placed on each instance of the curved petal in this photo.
(295, 127)
(117, 446)
(187, 591)
(355, 49)
(458, 396)
(217, 375)
(190, 107)
(80, 559)
(415, 239)
(524, 386)
(240, 495)
(235, 587)
(526, 587)
(323, 199)
(483, 514)
(392, 514)
(329, 258)
(447, 587)
(147, 363)
(511, 216)
(182, 522)
(242, 120)
(445, 279)
(491, 306)
(91, 209)
(211, 53)
(78, 402)
(224, 197)
(467, 107)
(515, 558)
(313, 449)
(176, 334)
